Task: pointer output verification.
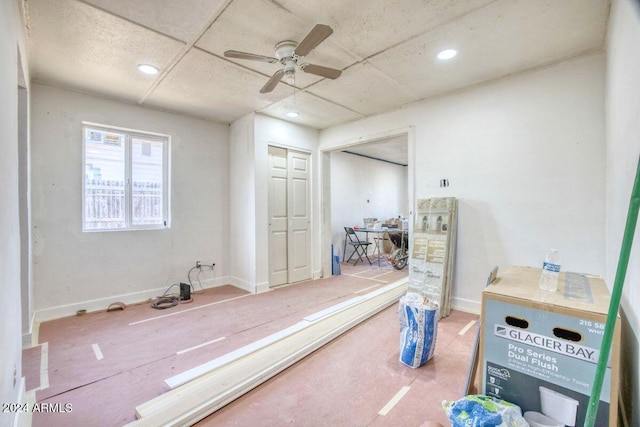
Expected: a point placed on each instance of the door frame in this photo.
(325, 178)
(311, 209)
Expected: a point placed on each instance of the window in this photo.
(125, 182)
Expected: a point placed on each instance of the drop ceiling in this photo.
(385, 49)
(394, 150)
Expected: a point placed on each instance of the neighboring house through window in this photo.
(126, 179)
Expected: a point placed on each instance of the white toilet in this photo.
(558, 410)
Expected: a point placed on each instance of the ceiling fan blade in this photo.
(251, 56)
(319, 70)
(313, 39)
(273, 81)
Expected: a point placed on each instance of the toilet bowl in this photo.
(536, 419)
(558, 410)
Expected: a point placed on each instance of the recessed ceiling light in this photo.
(293, 114)
(148, 69)
(447, 54)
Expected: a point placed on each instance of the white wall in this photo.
(74, 270)
(24, 187)
(364, 188)
(623, 153)
(524, 156)
(250, 139)
(242, 223)
(12, 38)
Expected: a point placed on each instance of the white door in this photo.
(299, 217)
(278, 220)
(289, 217)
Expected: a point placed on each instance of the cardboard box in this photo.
(536, 342)
(391, 224)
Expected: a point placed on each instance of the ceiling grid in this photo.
(386, 52)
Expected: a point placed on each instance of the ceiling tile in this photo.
(77, 46)
(205, 86)
(367, 28)
(504, 38)
(315, 112)
(364, 89)
(385, 49)
(182, 20)
(256, 26)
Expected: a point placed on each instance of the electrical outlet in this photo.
(198, 265)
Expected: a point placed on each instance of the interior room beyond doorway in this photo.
(369, 183)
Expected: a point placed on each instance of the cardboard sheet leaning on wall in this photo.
(433, 249)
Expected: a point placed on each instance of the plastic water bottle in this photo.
(550, 271)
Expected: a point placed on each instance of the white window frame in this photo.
(166, 174)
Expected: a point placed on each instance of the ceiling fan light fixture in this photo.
(447, 54)
(289, 77)
(148, 69)
(290, 54)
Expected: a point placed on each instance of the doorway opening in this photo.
(363, 178)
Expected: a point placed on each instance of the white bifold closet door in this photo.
(289, 216)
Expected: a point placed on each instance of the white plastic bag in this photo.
(483, 411)
(418, 329)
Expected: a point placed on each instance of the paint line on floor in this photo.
(370, 287)
(187, 310)
(394, 400)
(386, 272)
(44, 366)
(97, 351)
(35, 335)
(352, 275)
(27, 416)
(363, 273)
(466, 328)
(382, 282)
(186, 350)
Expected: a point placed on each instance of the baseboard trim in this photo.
(466, 305)
(242, 284)
(103, 303)
(220, 381)
(262, 287)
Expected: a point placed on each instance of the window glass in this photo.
(104, 186)
(147, 181)
(125, 179)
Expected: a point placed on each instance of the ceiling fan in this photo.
(291, 55)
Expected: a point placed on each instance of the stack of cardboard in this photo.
(433, 250)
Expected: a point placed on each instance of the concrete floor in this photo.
(105, 364)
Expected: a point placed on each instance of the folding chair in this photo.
(359, 247)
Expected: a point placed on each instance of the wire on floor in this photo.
(168, 300)
(162, 303)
